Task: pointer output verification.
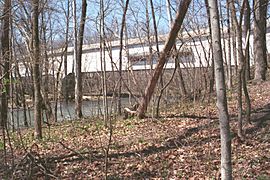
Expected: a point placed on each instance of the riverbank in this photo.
(182, 144)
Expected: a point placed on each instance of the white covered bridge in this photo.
(194, 52)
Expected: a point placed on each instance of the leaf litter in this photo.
(182, 144)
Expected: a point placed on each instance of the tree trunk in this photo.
(78, 80)
(246, 74)
(240, 58)
(21, 94)
(103, 62)
(260, 57)
(66, 47)
(158, 54)
(182, 9)
(4, 73)
(6, 63)
(226, 167)
(123, 24)
(212, 67)
(46, 102)
(36, 70)
(246, 33)
(242, 66)
(229, 65)
(182, 85)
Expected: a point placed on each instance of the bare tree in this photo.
(45, 89)
(6, 62)
(226, 166)
(4, 73)
(182, 9)
(123, 24)
(229, 65)
(247, 26)
(158, 54)
(36, 69)
(78, 82)
(242, 66)
(260, 57)
(212, 71)
(181, 79)
(103, 61)
(67, 15)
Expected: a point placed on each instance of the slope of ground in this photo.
(183, 144)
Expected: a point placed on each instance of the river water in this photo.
(65, 111)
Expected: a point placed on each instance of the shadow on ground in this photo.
(259, 118)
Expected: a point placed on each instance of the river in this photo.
(65, 111)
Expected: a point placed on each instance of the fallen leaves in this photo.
(184, 144)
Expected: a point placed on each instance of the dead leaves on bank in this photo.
(181, 145)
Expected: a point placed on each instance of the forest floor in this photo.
(183, 144)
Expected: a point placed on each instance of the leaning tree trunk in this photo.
(36, 70)
(226, 166)
(182, 85)
(260, 56)
(182, 9)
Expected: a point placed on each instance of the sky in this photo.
(136, 17)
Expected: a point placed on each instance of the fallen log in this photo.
(130, 112)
